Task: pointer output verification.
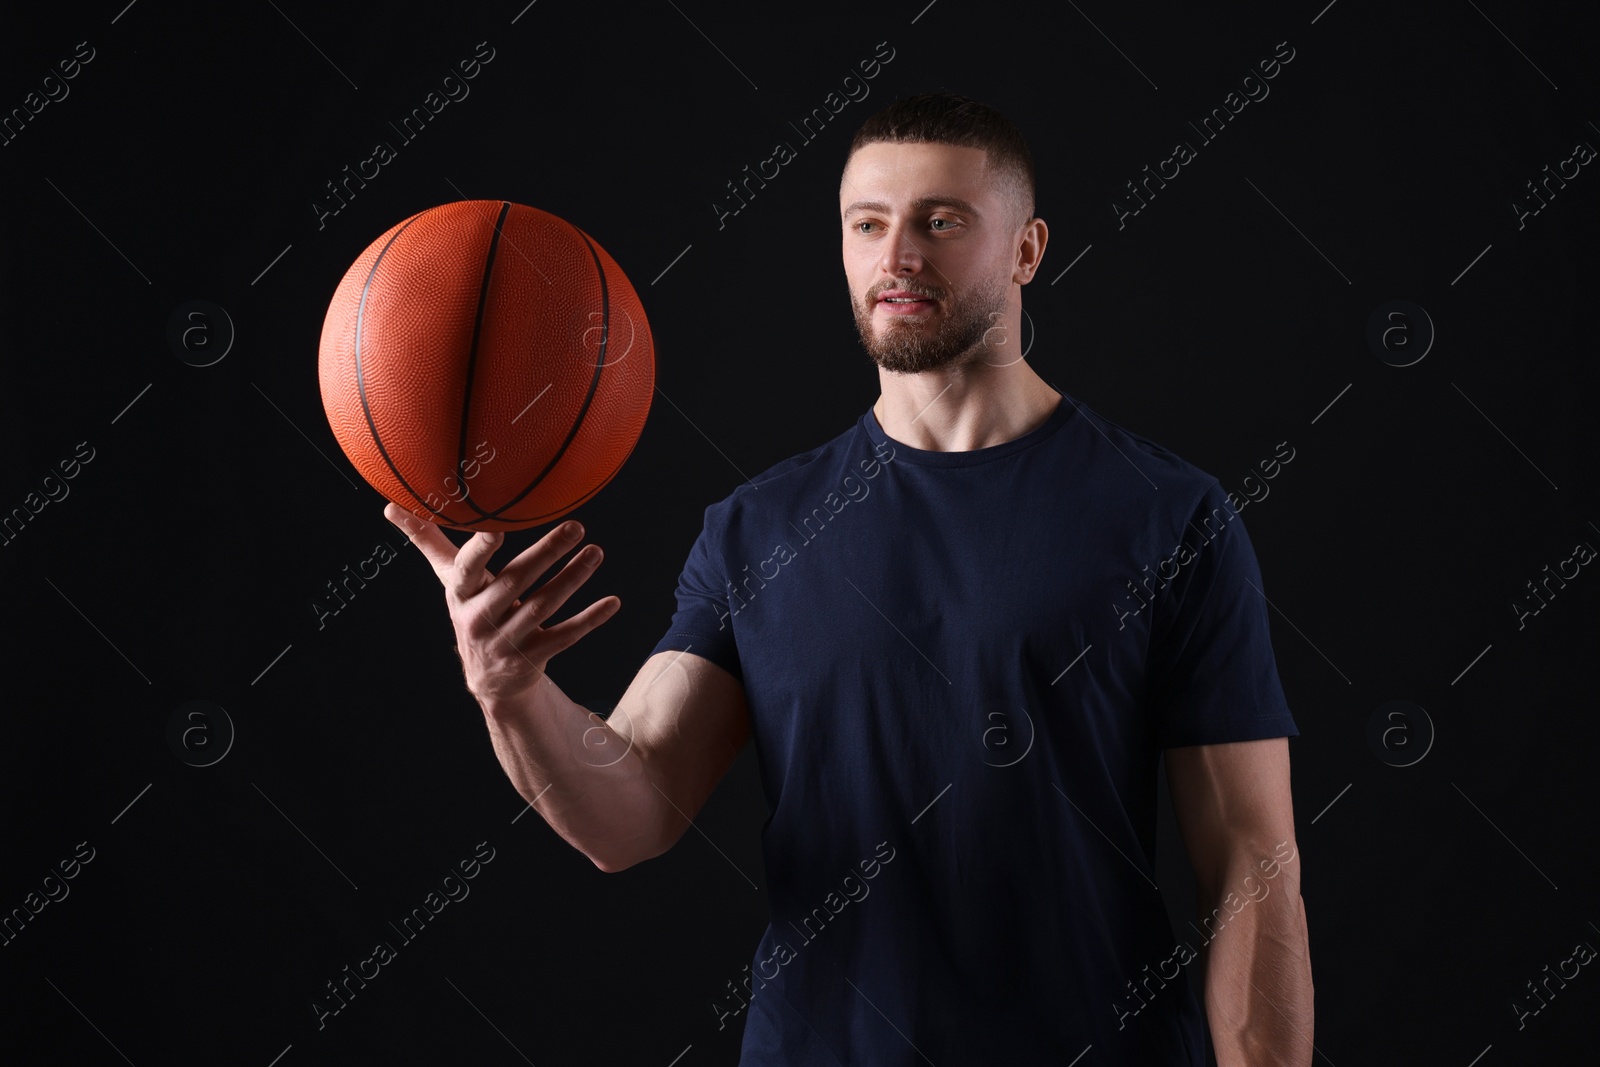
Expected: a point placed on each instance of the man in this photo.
(961, 635)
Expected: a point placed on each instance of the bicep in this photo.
(1232, 802)
(688, 719)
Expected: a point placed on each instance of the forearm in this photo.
(1258, 989)
(583, 778)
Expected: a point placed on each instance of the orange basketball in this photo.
(486, 366)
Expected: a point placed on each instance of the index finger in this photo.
(429, 539)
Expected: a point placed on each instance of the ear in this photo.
(1030, 250)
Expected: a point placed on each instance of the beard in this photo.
(909, 347)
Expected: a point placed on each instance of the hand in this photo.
(503, 647)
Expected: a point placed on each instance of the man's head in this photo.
(936, 203)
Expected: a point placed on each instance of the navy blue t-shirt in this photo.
(961, 668)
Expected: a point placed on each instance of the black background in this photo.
(1227, 316)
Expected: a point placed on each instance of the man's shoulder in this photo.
(795, 475)
(1124, 457)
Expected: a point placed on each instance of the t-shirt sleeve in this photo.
(1212, 674)
(702, 623)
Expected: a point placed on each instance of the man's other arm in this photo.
(1235, 812)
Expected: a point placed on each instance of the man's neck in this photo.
(963, 408)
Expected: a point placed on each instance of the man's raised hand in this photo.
(500, 636)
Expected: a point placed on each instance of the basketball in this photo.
(486, 366)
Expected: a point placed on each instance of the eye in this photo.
(941, 224)
(863, 222)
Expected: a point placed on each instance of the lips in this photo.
(902, 302)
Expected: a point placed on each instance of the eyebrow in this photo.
(922, 203)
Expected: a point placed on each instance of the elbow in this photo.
(614, 861)
(609, 866)
(657, 827)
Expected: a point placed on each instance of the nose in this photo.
(901, 255)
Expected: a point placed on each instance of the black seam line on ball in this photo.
(361, 382)
(584, 499)
(594, 382)
(472, 361)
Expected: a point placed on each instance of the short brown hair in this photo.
(945, 118)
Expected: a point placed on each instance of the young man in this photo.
(961, 635)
